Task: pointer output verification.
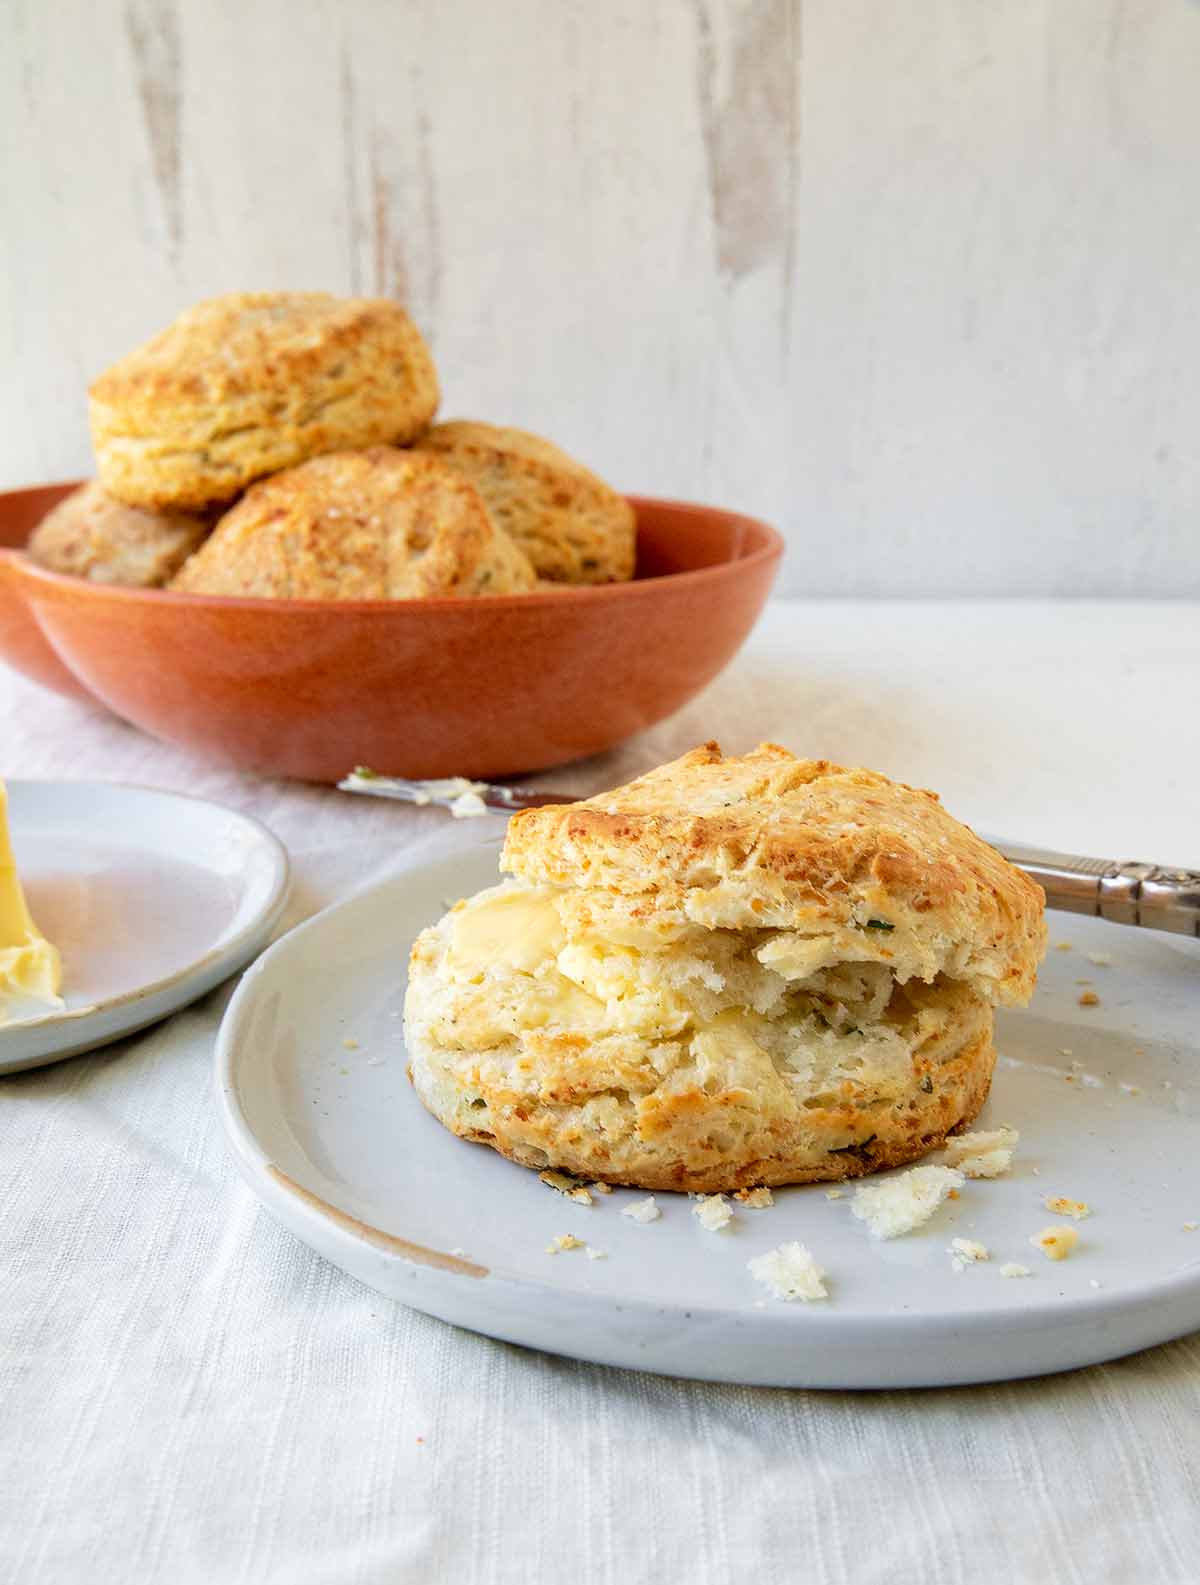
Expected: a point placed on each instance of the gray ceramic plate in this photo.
(329, 1134)
(152, 898)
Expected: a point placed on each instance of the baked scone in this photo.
(381, 524)
(90, 535)
(244, 385)
(731, 972)
(570, 524)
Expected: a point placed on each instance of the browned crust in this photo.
(360, 525)
(963, 1089)
(573, 526)
(774, 1172)
(220, 349)
(796, 835)
(245, 385)
(91, 535)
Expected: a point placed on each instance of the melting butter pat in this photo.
(30, 968)
(634, 1000)
(518, 928)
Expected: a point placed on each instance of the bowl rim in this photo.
(771, 550)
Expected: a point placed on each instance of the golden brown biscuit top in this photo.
(90, 535)
(769, 840)
(358, 525)
(462, 434)
(228, 346)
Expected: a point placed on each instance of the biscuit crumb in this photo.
(790, 1272)
(1062, 946)
(991, 1164)
(642, 1210)
(958, 1146)
(566, 1186)
(1056, 1243)
(595, 1254)
(1013, 1268)
(969, 1249)
(898, 1205)
(1102, 960)
(756, 1199)
(562, 1242)
(967, 1252)
(1190, 1227)
(350, 1045)
(986, 1154)
(1088, 999)
(1061, 1206)
(713, 1212)
(835, 1194)
(601, 1188)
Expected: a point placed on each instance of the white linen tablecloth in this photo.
(188, 1394)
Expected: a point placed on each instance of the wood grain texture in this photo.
(918, 283)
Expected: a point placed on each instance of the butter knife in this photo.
(1156, 896)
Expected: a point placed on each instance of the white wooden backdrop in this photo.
(919, 282)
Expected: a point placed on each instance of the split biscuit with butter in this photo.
(89, 535)
(245, 385)
(381, 524)
(573, 527)
(731, 972)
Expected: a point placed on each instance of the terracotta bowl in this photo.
(483, 688)
(22, 642)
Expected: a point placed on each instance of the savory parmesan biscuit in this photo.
(89, 535)
(358, 525)
(836, 858)
(570, 524)
(244, 385)
(731, 972)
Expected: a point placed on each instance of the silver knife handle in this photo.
(1154, 895)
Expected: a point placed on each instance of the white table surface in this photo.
(188, 1394)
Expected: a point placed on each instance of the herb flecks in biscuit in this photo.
(381, 524)
(89, 535)
(573, 527)
(685, 986)
(242, 386)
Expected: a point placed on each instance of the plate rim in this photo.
(330, 1222)
(242, 944)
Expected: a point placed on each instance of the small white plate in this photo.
(152, 898)
(329, 1133)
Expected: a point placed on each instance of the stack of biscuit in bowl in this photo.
(732, 972)
(282, 445)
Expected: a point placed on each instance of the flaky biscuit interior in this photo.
(732, 971)
(687, 1057)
